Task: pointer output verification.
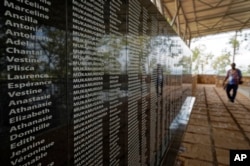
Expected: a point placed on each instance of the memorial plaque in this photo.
(114, 86)
(88, 30)
(33, 106)
(87, 82)
(134, 84)
(144, 74)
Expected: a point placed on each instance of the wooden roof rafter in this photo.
(197, 18)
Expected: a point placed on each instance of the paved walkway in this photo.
(215, 126)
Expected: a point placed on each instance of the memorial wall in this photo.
(88, 82)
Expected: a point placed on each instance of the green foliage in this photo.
(195, 58)
(186, 64)
(200, 59)
(220, 63)
(196, 53)
(234, 43)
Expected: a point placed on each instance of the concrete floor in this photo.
(215, 126)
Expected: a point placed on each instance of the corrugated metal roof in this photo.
(197, 18)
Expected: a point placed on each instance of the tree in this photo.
(199, 59)
(205, 60)
(186, 64)
(195, 58)
(220, 63)
(235, 44)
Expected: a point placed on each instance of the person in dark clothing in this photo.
(234, 77)
(159, 79)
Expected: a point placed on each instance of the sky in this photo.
(215, 44)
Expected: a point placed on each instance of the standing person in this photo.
(159, 79)
(234, 77)
(158, 72)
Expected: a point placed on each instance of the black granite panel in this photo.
(82, 82)
(34, 117)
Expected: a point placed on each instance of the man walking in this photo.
(234, 77)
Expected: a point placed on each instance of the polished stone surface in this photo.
(88, 82)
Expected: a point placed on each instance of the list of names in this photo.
(29, 103)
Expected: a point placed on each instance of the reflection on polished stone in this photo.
(183, 117)
(89, 83)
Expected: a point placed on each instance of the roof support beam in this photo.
(197, 18)
(176, 14)
(187, 28)
(217, 30)
(178, 7)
